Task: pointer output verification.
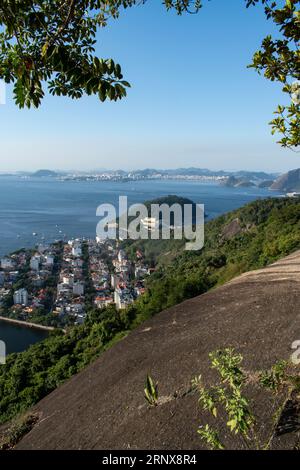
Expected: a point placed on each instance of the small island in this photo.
(45, 174)
(234, 182)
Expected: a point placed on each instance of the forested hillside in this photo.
(245, 239)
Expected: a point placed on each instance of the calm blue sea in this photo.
(53, 209)
(17, 338)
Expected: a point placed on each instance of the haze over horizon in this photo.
(193, 102)
(99, 170)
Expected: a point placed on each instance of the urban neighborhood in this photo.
(57, 284)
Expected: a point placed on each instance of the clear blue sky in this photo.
(193, 102)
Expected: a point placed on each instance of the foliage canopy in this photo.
(53, 42)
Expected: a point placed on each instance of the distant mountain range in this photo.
(288, 182)
(257, 175)
(152, 172)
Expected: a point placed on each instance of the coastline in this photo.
(27, 324)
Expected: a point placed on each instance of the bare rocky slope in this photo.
(103, 406)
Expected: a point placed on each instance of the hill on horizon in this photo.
(290, 181)
(44, 173)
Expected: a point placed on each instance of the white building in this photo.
(77, 263)
(21, 297)
(78, 288)
(140, 271)
(103, 301)
(49, 260)
(114, 280)
(150, 223)
(122, 299)
(68, 279)
(121, 256)
(35, 263)
(63, 289)
(76, 251)
(7, 263)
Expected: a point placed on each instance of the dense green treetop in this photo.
(279, 60)
(53, 42)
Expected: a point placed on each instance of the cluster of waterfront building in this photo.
(99, 268)
(140, 176)
(35, 269)
(10, 266)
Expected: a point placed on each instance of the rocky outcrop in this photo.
(288, 182)
(231, 230)
(234, 182)
(103, 407)
(265, 184)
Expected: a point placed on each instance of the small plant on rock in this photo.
(229, 396)
(151, 392)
